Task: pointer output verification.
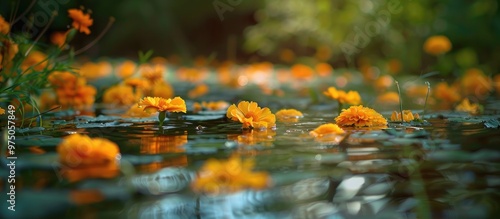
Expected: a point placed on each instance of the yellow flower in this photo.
(251, 115)
(2, 111)
(198, 91)
(408, 116)
(158, 104)
(360, 116)
(219, 177)
(4, 26)
(390, 98)
(289, 115)
(136, 111)
(437, 45)
(162, 89)
(211, 106)
(120, 95)
(476, 83)
(467, 106)
(126, 69)
(81, 21)
(326, 129)
(351, 97)
(80, 150)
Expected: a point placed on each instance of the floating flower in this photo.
(198, 91)
(251, 115)
(302, 72)
(4, 26)
(326, 129)
(80, 150)
(389, 98)
(476, 83)
(360, 116)
(408, 116)
(162, 105)
(219, 177)
(122, 95)
(162, 89)
(81, 21)
(211, 105)
(351, 97)
(126, 69)
(467, 106)
(289, 115)
(437, 45)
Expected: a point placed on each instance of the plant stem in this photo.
(427, 95)
(161, 118)
(400, 100)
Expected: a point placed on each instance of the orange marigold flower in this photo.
(467, 106)
(211, 105)
(351, 97)
(289, 115)
(2, 111)
(152, 73)
(360, 116)
(71, 90)
(251, 115)
(326, 129)
(81, 21)
(4, 26)
(390, 98)
(302, 72)
(81, 150)
(408, 116)
(219, 177)
(92, 70)
(8, 50)
(58, 38)
(476, 83)
(324, 69)
(126, 69)
(198, 91)
(437, 45)
(158, 104)
(121, 95)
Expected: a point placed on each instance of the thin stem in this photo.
(24, 13)
(427, 95)
(54, 13)
(400, 100)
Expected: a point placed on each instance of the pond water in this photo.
(447, 167)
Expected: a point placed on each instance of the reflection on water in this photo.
(446, 170)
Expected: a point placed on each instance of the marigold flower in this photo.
(437, 45)
(198, 91)
(58, 38)
(289, 115)
(211, 105)
(390, 98)
(2, 111)
(302, 72)
(360, 116)
(8, 50)
(251, 115)
(219, 177)
(324, 69)
(126, 69)
(326, 129)
(80, 150)
(153, 73)
(467, 106)
(71, 90)
(92, 70)
(121, 95)
(4, 26)
(351, 97)
(476, 83)
(408, 116)
(81, 21)
(158, 104)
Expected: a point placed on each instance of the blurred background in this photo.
(342, 33)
